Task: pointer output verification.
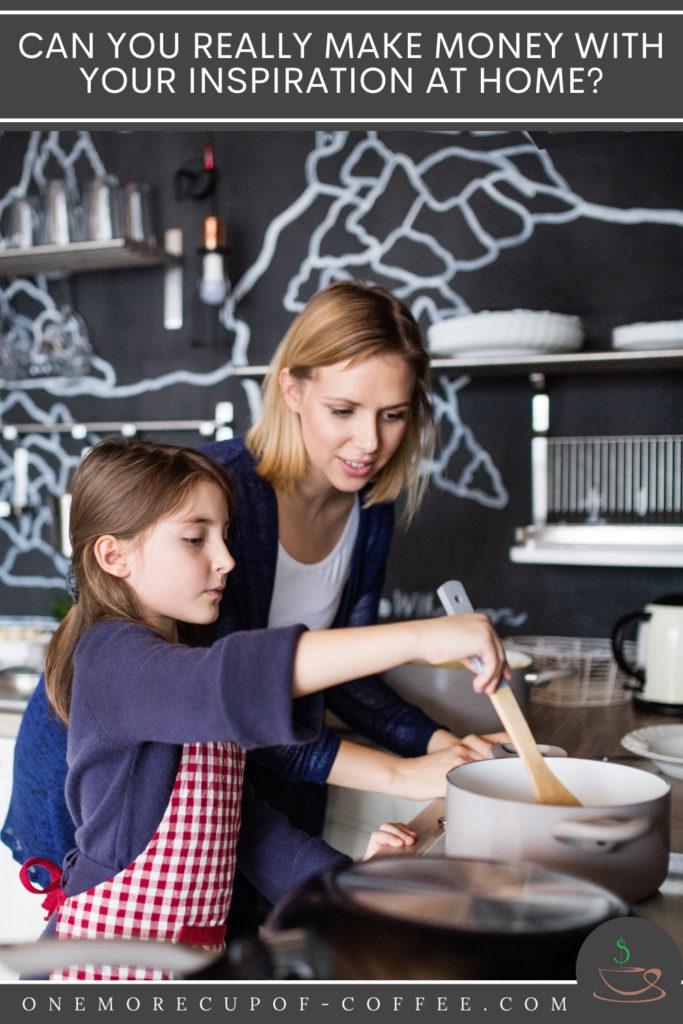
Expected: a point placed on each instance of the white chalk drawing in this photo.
(384, 215)
(30, 533)
(55, 341)
(478, 464)
(420, 604)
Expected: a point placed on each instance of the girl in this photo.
(156, 729)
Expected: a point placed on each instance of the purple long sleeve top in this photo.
(136, 699)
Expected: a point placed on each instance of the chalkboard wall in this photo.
(593, 226)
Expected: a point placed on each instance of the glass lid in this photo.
(475, 895)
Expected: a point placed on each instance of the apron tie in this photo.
(54, 894)
(203, 935)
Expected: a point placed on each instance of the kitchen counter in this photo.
(592, 733)
(10, 721)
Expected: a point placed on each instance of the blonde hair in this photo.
(345, 322)
(120, 488)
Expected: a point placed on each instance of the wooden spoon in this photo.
(547, 787)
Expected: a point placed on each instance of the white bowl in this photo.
(643, 335)
(445, 693)
(506, 332)
(661, 744)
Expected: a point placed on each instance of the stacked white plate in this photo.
(661, 744)
(648, 335)
(513, 332)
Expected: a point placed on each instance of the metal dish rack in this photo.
(605, 500)
(594, 680)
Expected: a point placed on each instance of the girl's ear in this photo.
(112, 555)
(291, 389)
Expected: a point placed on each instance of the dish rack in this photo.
(605, 501)
(595, 679)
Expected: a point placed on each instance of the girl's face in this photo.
(178, 568)
(353, 417)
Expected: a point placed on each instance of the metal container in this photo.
(23, 222)
(445, 692)
(619, 838)
(102, 209)
(60, 224)
(137, 213)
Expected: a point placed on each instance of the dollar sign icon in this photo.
(624, 953)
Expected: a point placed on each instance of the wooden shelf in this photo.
(80, 257)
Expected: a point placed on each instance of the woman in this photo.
(345, 422)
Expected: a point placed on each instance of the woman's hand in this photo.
(471, 748)
(423, 778)
(464, 638)
(392, 835)
(416, 778)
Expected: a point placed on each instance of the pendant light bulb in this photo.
(213, 284)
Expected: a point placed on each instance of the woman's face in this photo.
(353, 417)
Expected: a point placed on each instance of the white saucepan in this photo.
(619, 838)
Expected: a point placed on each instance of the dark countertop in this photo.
(593, 733)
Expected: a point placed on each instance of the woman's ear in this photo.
(112, 555)
(291, 389)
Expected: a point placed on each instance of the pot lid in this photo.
(515, 897)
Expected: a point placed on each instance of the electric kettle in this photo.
(659, 669)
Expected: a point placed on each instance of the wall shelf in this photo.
(642, 546)
(632, 557)
(568, 363)
(80, 257)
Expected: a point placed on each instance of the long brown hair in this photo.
(122, 487)
(346, 321)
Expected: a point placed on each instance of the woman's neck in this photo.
(313, 498)
(312, 519)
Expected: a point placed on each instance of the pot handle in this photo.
(547, 676)
(618, 637)
(600, 835)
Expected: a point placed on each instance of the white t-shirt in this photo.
(311, 593)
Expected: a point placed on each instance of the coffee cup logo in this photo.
(629, 961)
(628, 984)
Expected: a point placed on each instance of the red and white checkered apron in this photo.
(179, 888)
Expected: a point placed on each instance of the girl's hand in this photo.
(391, 835)
(471, 748)
(462, 638)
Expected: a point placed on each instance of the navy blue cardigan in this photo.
(292, 779)
(38, 822)
(368, 705)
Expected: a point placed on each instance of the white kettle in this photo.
(659, 668)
